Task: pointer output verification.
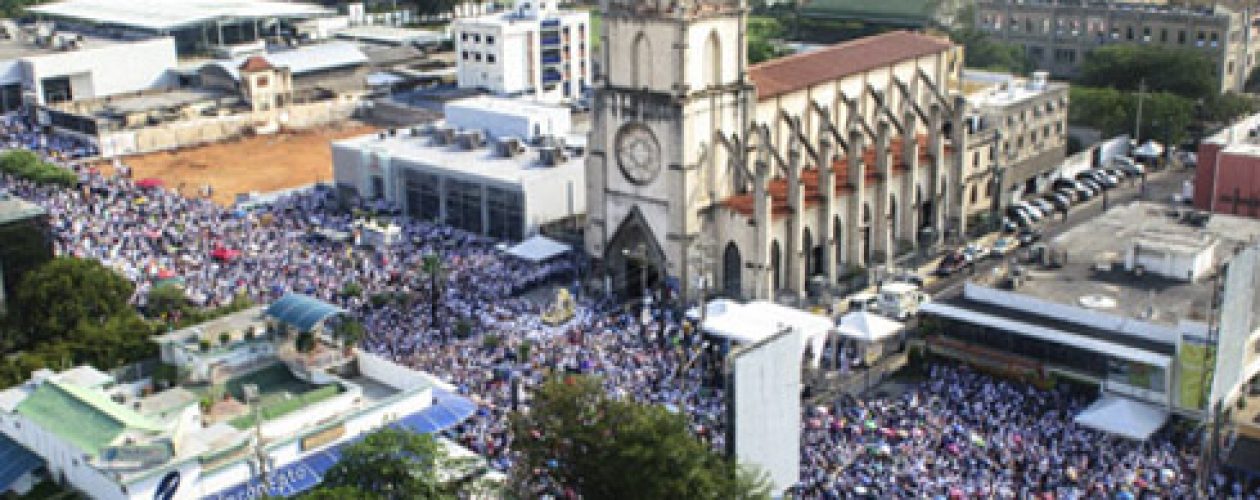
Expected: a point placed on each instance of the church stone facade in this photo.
(764, 177)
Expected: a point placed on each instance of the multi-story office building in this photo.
(1019, 137)
(1058, 33)
(532, 49)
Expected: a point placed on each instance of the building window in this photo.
(477, 56)
(489, 39)
(262, 82)
(490, 58)
(1146, 34)
(463, 37)
(477, 38)
(464, 55)
(1128, 33)
(1065, 55)
(1181, 37)
(975, 194)
(1163, 35)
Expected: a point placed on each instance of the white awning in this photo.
(538, 249)
(754, 321)
(868, 327)
(1049, 334)
(1123, 417)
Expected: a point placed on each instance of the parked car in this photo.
(1028, 237)
(900, 300)
(952, 262)
(1060, 201)
(1002, 246)
(1064, 183)
(1033, 212)
(1045, 206)
(974, 252)
(863, 301)
(1009, 226)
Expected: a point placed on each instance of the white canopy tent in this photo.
(1123, 417)
(537, 249)
(754, 321)
(868, 327)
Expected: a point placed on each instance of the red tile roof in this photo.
(800, 71)
(255, 63)
(778, 187)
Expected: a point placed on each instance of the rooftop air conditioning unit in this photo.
(551, 156)
(509, 147)
(443, 136)
(471, 140)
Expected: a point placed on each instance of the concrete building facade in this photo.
(1019, 138)
(1057, 34)
(533, 49)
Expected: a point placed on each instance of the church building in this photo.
(761, 178)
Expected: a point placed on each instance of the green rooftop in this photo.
(83, 417)
(894, 11)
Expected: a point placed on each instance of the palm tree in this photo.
(432, 266)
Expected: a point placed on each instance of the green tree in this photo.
(1227, 107)
(348, 331)
(985, 53)
(604, 448)
(166, 299)
(24, 246)
(432, 266)
(62, 297)
(337, 493)
(1181, 71)
(396, 464)
(764, 34)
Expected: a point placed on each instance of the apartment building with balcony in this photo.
(1057, 34)
(1018, 138)
(534, 49)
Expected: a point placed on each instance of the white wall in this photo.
(555, 196)
(112, 69)
(394, 375)
(767, 407)
(479, 114)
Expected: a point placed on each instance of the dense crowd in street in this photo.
(959, 434)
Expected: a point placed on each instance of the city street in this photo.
(1161, 186)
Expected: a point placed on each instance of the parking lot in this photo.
(1159, 186)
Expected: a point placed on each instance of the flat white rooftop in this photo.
(390, 35)
(482, 162)
(1002, 89)
(172, 14)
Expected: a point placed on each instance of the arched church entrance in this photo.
(634, 259)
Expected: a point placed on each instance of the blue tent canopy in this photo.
(302, 311)
(447, 410)
(15, 462)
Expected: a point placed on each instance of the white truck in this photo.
(901, 300)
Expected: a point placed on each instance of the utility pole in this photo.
(255, 404)
(1137, 124)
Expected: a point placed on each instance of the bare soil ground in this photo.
(260, 163)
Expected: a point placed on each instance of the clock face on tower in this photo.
(638, 153)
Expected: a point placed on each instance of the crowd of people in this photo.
(958, 434)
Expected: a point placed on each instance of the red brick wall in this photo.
(1204, 175)
(1236, 176)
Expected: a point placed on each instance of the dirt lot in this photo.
(260, 163)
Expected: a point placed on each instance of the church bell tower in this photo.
(671, 75)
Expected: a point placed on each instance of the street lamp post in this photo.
(702, 263)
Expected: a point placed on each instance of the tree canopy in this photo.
(1181, 71)
(576, 438)
(985, 53)
(72, 311)
(764, 35)
(391, 464)
(1165, 116)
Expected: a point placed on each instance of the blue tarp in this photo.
(302, 311)
(286, 481)
(447, 410)
(15, 461)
